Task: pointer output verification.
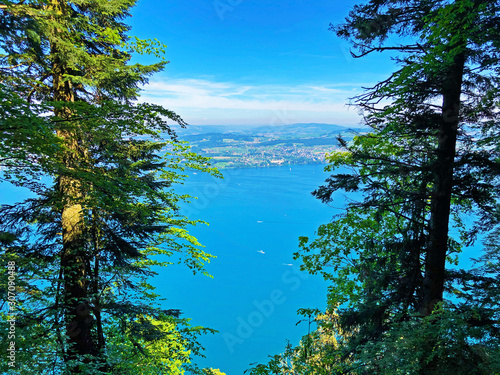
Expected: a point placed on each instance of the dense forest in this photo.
(103, 214)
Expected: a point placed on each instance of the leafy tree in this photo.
(429, 160)
(373, 324)
(27, 139)
(212, 371)
(316, 353)
(85, 246)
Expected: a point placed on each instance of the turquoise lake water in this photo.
(256, 216)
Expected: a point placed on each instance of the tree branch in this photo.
(416, 47)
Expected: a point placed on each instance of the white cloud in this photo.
(201, 101)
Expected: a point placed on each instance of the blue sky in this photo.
(255, 62)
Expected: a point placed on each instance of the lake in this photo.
(256, 216)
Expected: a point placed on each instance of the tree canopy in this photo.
(427, 162)
(103, 213)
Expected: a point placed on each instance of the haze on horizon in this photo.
(235, 62)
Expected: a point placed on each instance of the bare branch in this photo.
(416, 47)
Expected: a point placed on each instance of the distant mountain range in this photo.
(297, 130)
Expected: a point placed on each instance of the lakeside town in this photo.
(267, 146)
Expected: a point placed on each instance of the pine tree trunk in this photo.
(78, 318)
(73, 259)
(435, 259)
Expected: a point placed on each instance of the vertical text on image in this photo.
(11, 315)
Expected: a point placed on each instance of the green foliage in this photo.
(28, 142)
(458, 347)
(150, 346)
(429, 162)
(212, 371)
(132, 220)
(104, 214)
(318, 352)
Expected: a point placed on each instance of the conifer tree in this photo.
(429, 159)
(87, 238)
(444, 91)
(428, 163)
